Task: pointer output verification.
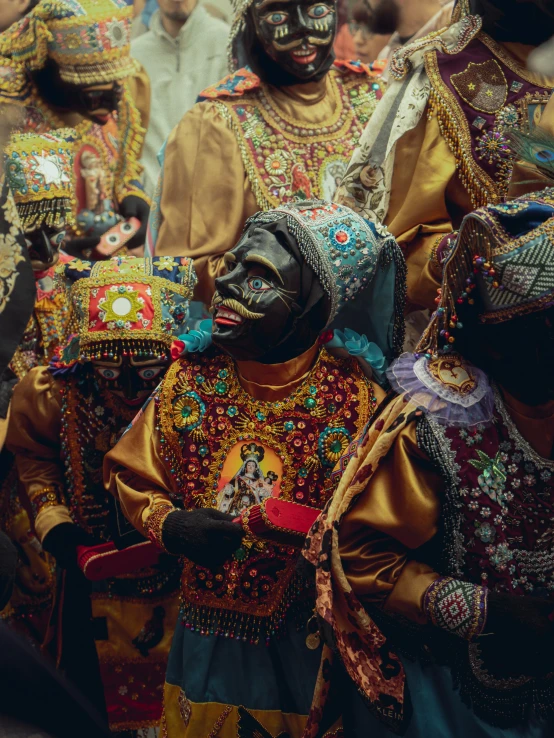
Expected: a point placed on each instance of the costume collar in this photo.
(307, 93)
(280, 380)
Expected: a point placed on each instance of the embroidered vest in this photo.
(506, 499)
(477, 95)
(226, 450)
(287, 159)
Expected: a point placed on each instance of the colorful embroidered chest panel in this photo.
(478, 95)
(47, 327)
(287, 159)
(106, 164)
(506, 493)
(226, 450)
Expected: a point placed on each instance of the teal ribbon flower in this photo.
(195, 341)
(358, 345)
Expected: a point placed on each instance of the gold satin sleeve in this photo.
(396, 514)
(139, 89)
(425, 197)
(34, 437)
(206, 196)
(134, 472)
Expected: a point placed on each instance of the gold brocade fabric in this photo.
(220, 157)
(428, 199)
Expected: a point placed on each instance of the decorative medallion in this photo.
(454, 373)
(482, 86)
(120, 305)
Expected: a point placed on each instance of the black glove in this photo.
(522, 640)
(135, 207)
(81, 247)
(62, 541)
(207, 537)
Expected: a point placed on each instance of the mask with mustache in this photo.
(269, 307)
(290, 41)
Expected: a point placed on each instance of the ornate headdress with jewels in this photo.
(125, 306)
(88, 39)
(39, 170)
(240, 9)
(502, 263)
(358, 264)
(505, 254)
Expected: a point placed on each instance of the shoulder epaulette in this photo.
(376, 68)
(234, 85)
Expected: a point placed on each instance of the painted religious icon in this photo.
(253, 482)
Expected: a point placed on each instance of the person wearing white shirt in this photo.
(183, 52)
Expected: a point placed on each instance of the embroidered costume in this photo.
(65, 418)
(216, 438)
(89, 44)
(251, 145)
(39, 172)
(444, 512)
(453, 98)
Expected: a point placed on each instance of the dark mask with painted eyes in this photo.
(96, 102)
(291, 41)
(269, 307)
(130, 380)
(44, 247)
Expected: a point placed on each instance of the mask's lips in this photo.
(306, 54)
(232, 312)
(224, 316)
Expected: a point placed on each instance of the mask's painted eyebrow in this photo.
(258, 259)
(229, 259)
(264, 3)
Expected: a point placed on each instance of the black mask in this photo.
(525, 21)
(384, 17)
(290, 41)
(269, 307)
(94, 102)
(518, 354)
(130, 380)
(44, 247)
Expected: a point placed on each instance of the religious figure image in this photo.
(248, 486)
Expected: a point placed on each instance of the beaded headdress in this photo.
(39, 170)
(240, 9)
(505, 254)
(129, 305)
(88, 39)
(358, 263)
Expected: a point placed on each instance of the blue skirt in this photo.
(208, 678)
(438, 712)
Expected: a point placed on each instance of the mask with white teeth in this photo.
(269, 307)
(290, 41)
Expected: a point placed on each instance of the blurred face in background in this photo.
(368, 44)
(12, 11)
(177, 11)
